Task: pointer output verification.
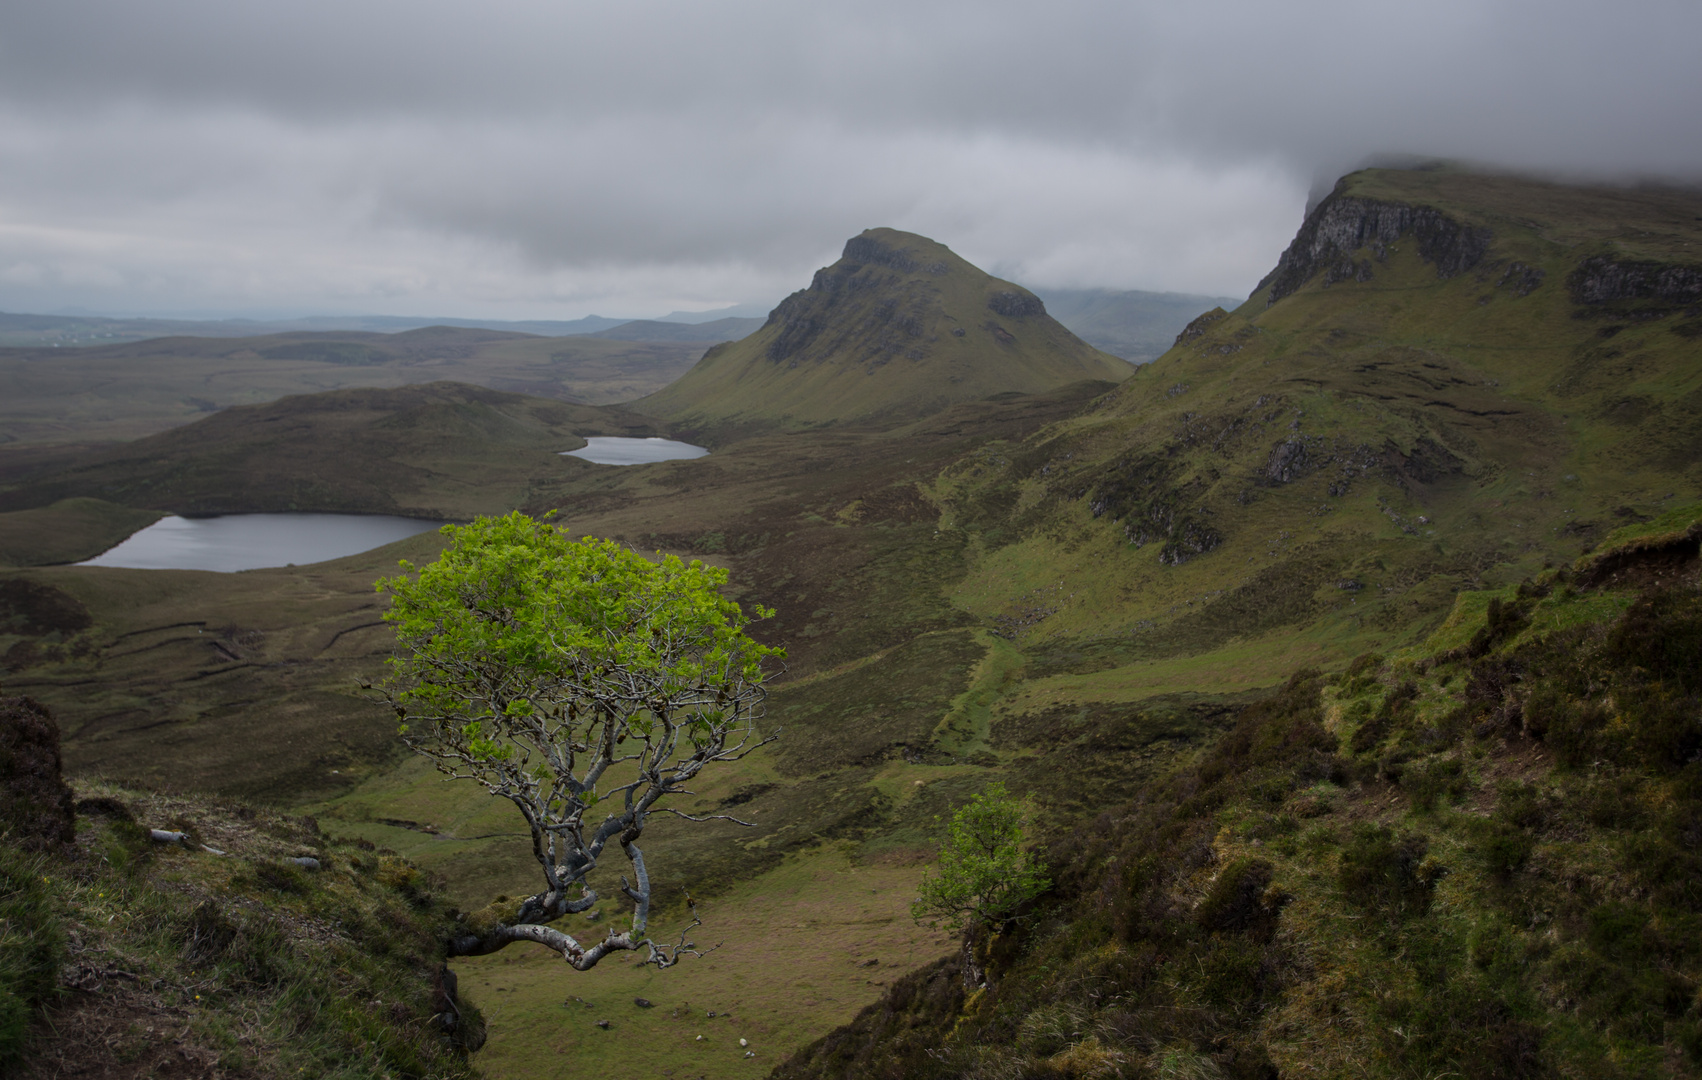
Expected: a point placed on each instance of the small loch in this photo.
(234, 542)
(621, 450)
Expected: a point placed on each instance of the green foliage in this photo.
(515, 617)
(984, 877)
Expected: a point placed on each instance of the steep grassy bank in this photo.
(1477, 856)
(123, 957)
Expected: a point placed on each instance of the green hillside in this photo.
(1436, 402)
(898, 328)
(1449, 383)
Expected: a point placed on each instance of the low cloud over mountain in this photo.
(524, 159)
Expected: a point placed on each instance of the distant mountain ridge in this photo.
(83, 331)
(1135, 325)
(728, 329)
(899, 328)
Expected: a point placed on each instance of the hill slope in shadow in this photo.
(433, 450)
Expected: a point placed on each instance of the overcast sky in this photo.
(551, 159)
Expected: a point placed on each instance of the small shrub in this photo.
(1379, 870)
(1502, 622)
(399, 874)
(1442, 780)
(1492, 946)
(1614, 803)
(208, 933)
(1049, 1029)
(1395, 710)
(1521, 804)
(1502, 848)
(1661, 635)
(1666, 727)
(1573, 731)
(1241, 900)
(1233, 974)
(1616, 930)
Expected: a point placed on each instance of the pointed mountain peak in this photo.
(899, 328)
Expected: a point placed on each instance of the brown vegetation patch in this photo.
(29, 607)
(35, 805)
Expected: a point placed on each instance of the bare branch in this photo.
(706, 817)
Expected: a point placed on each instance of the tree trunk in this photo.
(974, 958)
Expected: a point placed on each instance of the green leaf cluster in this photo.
(517, 623)
(520, 594)
(984, 875)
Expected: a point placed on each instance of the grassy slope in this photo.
(898, 328)
(67, 531)
(438, 450)
(115, 392)
(1475, 855)
(181, 961)
(243, 684)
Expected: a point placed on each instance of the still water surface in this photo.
(251, 541)
(619, 450)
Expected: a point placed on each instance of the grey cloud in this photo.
(543, 155)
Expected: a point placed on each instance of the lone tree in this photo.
(584, 684)
(984, 876)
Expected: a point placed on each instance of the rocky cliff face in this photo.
(1343, 224)
(1602, 279)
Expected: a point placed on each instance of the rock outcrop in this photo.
(1601, 279)
(1343, 224)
